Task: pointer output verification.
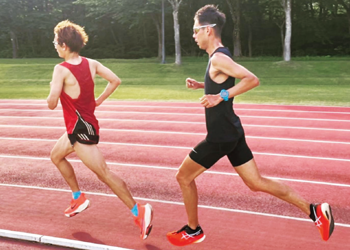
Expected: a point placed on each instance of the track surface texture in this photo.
(307, 147)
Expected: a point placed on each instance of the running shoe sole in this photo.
(327, 211)
(200, 240)
(147, 226)
(80, 209)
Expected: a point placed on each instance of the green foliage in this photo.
(128, 28)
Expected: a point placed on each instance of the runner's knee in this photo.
(255, 185)
(182, 179)
(55, 158)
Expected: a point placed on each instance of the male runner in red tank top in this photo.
(73, 84)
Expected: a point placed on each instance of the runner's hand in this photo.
(192, 84)
(209, 101)
(98, 102)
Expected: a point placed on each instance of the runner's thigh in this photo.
(62, 147)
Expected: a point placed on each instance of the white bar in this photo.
(56, 241)
(20, 235)
(77, 244)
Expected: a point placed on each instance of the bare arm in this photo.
(193, 84)
(248, 81)
(113, 82)
(225, 65)
(56, 86)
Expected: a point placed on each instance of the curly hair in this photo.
(72, 35)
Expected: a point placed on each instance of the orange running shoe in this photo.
(144, 219)
(323, 219)
(186, 236)
(77, 206)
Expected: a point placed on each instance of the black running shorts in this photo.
(83, 138)
(83, 132)
(208, 153)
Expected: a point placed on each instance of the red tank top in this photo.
(84, 106)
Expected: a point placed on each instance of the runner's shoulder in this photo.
(60, 69)
(93, 61)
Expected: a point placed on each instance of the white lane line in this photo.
(296, 140)
(31, 117)
(293, 127)
(175, 169)
(178, 122)
(199, 108)
(303, 157)
(177, 203)
(177, 133)
(178, 147)
(43, 239)
(184, 114)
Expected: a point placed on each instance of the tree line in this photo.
(133, 28)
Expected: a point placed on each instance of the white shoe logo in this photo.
(187, 236)
(318, 222)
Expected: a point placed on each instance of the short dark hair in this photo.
(71, 34)
(210, 14)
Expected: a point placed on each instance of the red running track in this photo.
(128, 146)
(108, 222)
(149, 171)
(296, 132)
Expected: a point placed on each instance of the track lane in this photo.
(172, 104)
(215, 190)
(194, 118)
(314, 148)
(244, 225)
(312, 133)
(107, 212)
(195, 112)
(271, 165)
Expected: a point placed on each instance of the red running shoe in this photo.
(144, 219)
(323, 219)
(77, 206)
(186, 236)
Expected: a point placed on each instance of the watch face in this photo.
(224, 94)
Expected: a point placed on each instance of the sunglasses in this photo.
(198, 28)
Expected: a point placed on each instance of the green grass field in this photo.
(303, 81)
